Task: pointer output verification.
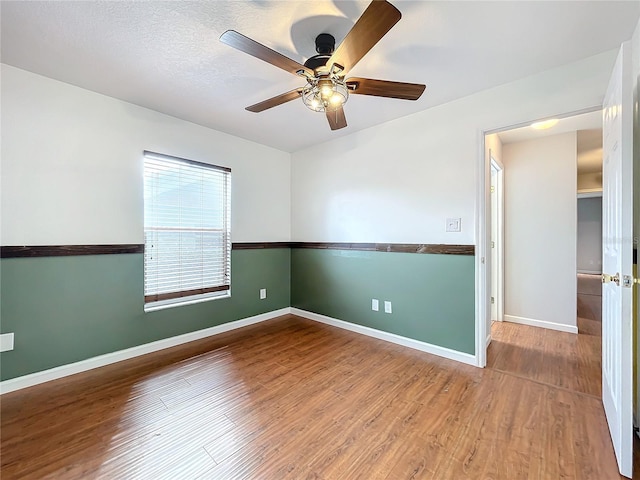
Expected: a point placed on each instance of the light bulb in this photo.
(326, 91)
(315, 103)
(336, 99)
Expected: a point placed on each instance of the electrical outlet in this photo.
(375, 305)
(387, 307)
(263, 293)
(6, 342)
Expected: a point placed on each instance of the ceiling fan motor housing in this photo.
(325, 45)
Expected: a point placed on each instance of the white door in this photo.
(617, 244)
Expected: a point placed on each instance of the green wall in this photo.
(66, 309)
(432, 295)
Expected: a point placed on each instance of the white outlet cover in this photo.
(453, 224)
(6, 342)
(387, 307)
(375, 305)
(263, 293)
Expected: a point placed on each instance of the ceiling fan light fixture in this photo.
(325, 94)
(326, 89)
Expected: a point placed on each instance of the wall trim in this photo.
(432, 248)
(25, 251)
(22, 251)
(55, 373)
(589, 194)
(258, 245)
(389, 337)
(532, 322)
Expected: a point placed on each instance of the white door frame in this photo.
(498, 250)
(483, 230)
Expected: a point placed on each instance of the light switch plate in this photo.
(453, 224)
(387, 307)
(6, 342)
(375, 305)
(263, 293)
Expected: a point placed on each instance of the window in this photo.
(187, 234)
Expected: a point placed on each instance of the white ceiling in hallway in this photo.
(588, 128)
(166, 56)
(572, 123)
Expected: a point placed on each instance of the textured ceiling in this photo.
(166, 55)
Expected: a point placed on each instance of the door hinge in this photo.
(628, 281)
(493, 300)
(493, 244)
(493, 189)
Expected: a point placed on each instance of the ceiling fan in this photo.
(326, 89)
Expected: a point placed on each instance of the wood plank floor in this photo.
(294, 399)
(564, 360)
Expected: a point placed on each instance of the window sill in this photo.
(179, 302)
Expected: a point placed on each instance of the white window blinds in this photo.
(187, 237)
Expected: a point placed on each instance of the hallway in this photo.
(564, 361)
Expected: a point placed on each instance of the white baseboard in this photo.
(389, 337)
(488, 339)
(541, 323)
(113, 357)
(108, 358)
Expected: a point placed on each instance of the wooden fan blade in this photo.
(374, 23)
(255, 49)
(385, 88)
(336, 118)
(275, 101)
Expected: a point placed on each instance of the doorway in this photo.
(533, 174)
(617, 259)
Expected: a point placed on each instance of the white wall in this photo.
(72, 167)
(540, 230)
(589, 245)
(399, 181)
